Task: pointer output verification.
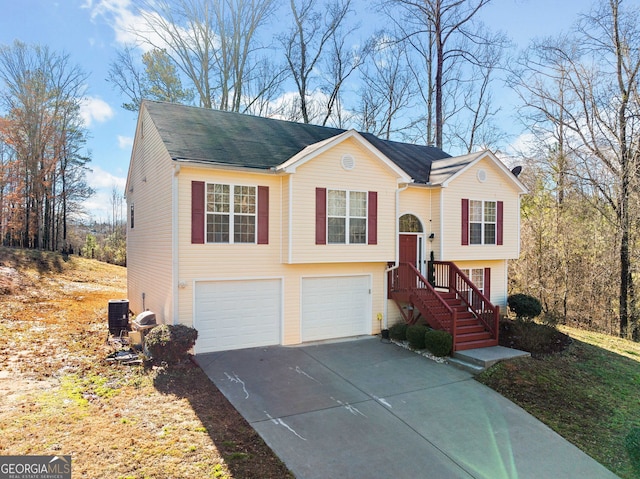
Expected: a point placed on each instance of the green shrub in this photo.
(439, 343)
(524, 306)
(398, 331)
(415, 335)
(170, 342)
(632, 442)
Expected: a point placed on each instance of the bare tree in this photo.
(442, 34)
(263, 87)
(341, 62)
(472, 125)
(314, 31)
(387, 88)
(127, 76)
(596, 115)
(158, 80)
(211, 42)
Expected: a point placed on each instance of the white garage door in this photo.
(335, 307)
(237, 314)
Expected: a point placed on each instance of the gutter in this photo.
(397, 259)
(174, 240)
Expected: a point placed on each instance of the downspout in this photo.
(174, 243)
(397, 259)
(290, 232)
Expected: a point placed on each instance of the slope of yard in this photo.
(589, 394)
(60, 396)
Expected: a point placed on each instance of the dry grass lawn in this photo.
(58, 394)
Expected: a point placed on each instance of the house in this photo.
(261, 232)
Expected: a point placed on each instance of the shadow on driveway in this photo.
(244, 451)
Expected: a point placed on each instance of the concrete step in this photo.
(465, 366)
(484, 358)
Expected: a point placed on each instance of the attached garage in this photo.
(335, 307)
(237, 314)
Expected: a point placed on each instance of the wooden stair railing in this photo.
(406, 284)
(447, 275)
(447, 310)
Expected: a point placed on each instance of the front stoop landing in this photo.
(477, 360)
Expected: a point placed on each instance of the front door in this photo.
(409, 249)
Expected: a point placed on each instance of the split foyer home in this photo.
(261, 232)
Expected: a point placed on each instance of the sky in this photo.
(91, 32)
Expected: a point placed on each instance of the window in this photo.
(410, 224)
(131, 215)
(476, 275)
(482, 222)
(231, 214)
(346, 217)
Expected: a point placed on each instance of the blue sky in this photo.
(91, 31)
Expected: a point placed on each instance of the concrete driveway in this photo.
(364, 409)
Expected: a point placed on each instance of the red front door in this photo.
(409, 249)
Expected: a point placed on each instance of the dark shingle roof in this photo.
(207, 135)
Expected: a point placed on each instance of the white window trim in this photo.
(469, 273)
(348, 217)
(231, 214)
(483, 222)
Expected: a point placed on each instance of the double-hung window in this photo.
(476, 275)
(231, 213)
(482, 222)
(346, 217)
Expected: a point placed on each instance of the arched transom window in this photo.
(410, 224)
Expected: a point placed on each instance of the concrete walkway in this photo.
(364, 409)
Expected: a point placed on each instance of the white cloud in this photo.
(99, 179)
(95, 109)
(129, 25)
(99, 205)
(125, 142)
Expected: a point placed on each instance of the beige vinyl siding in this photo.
(215, 261)
(495, 188)
(325, 171)
(201, 262)
(149, 243)
(424, 202)
(285, 200)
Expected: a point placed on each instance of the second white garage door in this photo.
(336, 307)
(237, 314)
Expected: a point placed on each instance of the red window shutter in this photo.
(487, 283)
(197, 212)
(263, 215)
(499, 222)
(321, 216)
(372, 218)
(465, 221)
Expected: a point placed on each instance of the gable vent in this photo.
(348, 162)
(482, 176)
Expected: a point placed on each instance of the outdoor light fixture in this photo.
(431, 236)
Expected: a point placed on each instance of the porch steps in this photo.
(417, 297)
(471, 332)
